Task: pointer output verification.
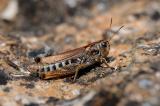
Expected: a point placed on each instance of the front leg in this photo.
(103, 60)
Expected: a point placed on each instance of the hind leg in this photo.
(77, 70)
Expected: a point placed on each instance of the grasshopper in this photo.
(70, 62)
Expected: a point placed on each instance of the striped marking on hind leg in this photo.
(55, 74)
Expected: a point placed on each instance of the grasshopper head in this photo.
(99, 49)
(104, 48)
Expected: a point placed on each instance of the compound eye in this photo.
(104, 44)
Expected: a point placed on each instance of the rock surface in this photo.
(134, 53)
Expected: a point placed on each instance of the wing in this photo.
(63, 56)
(66, 55)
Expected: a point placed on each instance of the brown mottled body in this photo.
(70, 62)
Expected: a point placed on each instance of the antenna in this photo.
(109, 33)
(119, 29)
(110, 23)
(115, 32)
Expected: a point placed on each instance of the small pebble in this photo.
(65, 88)
(76, 92)
(145, 83)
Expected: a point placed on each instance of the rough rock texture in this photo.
(134, 53)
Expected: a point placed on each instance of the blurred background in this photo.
(39, 17)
